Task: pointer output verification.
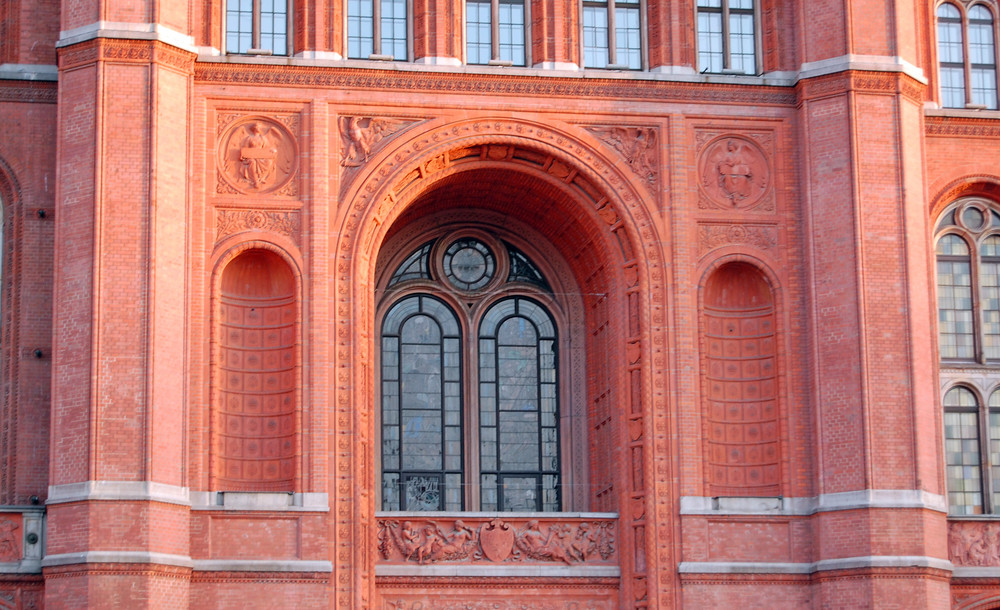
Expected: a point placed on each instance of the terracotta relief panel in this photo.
(718, 235)
(10, 538)
(734, 171)
(498, 540)
(637, 145)
(229, 222)
(361, 137)
(254, 438)
(974, 543)
(739, 384)
(257, 155)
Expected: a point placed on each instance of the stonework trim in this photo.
(261, 565)
(63, 559)
(263, 501)
(976, 572)
(29, 72)
(825, 565)
(800, 507)
(489, 571)
(864, 63)
(436, 514)
(127, 31)
(141, 491)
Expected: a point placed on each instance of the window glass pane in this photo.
(961, 431)
(518, 413)
(982, 57)
(710, 56)
(954, 298)
(995, 447)
(628, 45)
(511, 31)
(951, 57)
(989, 295)
(741, 42)
(421, 434)
(274, 26)
(595, 35)
(394, 29)
(239, 26)
(478, 32)
(360, 30)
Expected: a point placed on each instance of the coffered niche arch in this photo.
(555, 182)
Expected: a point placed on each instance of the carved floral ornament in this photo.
(257, 156)
(229, 222)
(425, 541)
(733, 173)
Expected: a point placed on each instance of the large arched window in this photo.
(968, 291)
(469, 381)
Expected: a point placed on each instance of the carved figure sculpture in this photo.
(257, 156)
(360, 134)
(8, 544)
(539, 545)
(735, 172)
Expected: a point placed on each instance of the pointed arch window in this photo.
(469, 381)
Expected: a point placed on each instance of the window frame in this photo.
(611, 43)
(967, 67)
(990, 506)
(470, 320)
(495, 59)
(255, 35)
(724, 11)
(378, 53)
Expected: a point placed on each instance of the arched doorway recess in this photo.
(575, 206)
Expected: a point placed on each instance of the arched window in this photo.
(469, 381)
(967, 54)
(968, 292)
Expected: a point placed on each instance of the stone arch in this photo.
(277, 294)
(606, 209)
(980, 185)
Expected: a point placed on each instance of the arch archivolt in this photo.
(608, 202)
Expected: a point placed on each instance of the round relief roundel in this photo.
(468, 264)
(734, 172)
(257, 156)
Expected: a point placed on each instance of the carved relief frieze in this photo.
(360, 137)
(717, 235)
(10, 547)
(637, 145)
(734, 171)
(496, 604)
(974, 543)
(229, 222)
(426, 541)
(257, 155)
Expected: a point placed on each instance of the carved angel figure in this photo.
(735, 172)
(360, 134)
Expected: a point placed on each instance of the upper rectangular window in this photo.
(257, 27)
(967, 54)
(377, 29)
(495, 32)
(612, 34)
(727, 36)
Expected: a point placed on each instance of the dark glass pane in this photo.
(416, 266)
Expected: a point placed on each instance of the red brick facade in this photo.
(198, 256)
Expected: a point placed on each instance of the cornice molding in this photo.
(126, 31)
(824, 565)
(950, 125)
(867, 499)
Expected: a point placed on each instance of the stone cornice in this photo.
(805, 506)
(140, 51)
(284, 75)
(126, 31)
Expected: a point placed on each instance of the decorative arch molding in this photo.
(12, 227)
(612, 209)
(977, 185)
(226, 253)
(983, 601)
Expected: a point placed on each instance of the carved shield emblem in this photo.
(497, 540)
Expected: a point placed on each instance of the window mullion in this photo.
(727, 62)
(979, 340)
(612, 35)
(376, 27)
(967, 60)
(986, 479)
(470, 398)
(255, 36)
(495, 30)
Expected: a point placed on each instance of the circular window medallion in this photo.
(468, 264)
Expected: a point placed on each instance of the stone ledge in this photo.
(824, 565)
